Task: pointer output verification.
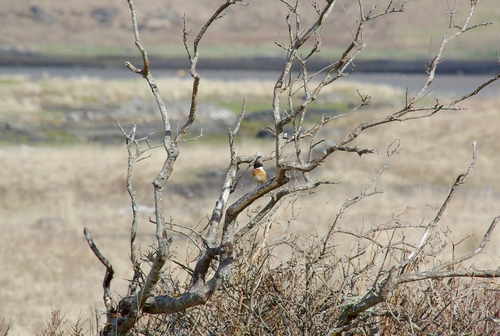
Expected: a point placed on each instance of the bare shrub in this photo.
(241, 280)
(58, 325)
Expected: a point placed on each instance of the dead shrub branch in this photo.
(244, 280)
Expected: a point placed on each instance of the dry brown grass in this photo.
(48, 194)
(22, 95)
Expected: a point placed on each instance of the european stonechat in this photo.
(258, 173)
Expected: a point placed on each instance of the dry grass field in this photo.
(49, 193)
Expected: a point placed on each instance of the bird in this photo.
(258, 173)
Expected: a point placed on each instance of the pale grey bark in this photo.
(294, 153)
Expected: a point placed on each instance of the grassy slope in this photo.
(69, 28)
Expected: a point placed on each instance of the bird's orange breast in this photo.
(259, 175)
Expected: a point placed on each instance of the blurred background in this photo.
(64, 87)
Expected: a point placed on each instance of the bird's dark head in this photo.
(257, 165)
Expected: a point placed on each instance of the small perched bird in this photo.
(258, 173)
